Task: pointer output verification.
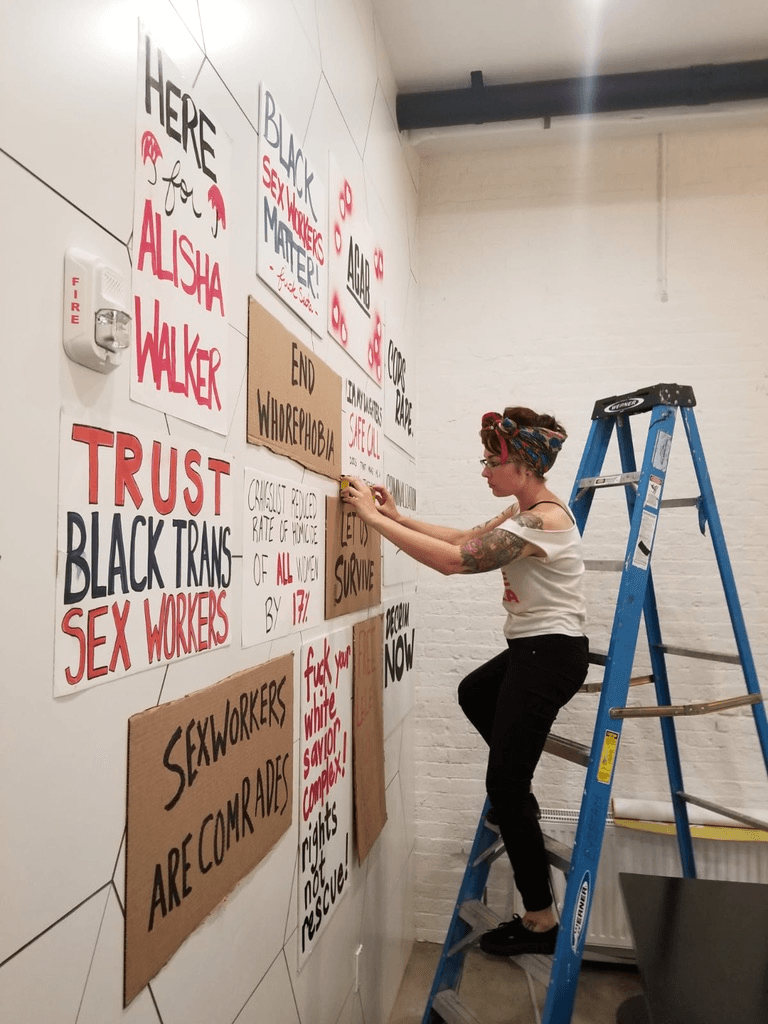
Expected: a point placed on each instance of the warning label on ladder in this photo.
(653, 497)
(644, 544)
(661, 450)
(608, 756)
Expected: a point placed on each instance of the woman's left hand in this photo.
(360, 497)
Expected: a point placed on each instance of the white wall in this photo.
(543, 269)
(67, 123)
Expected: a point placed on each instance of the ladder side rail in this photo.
(726, 575)
(449, 969)
(591, 463)
(659, 666)
(588, 841)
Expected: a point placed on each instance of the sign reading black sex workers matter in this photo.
(210, 786)
(145, 553)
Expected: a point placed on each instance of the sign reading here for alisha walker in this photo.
(356, 279)
(144, 553)
(292, 219)
(180, 356)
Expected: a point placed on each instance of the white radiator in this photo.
(626, 849)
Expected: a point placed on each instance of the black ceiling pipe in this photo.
(600, 94)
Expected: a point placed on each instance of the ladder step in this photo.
(558, 854)
(679, 502)
(536, 964)
(452, 1010)
(725, 811)
(615, 480)
(569, 750)
(688, 652)
(710, 707)
(480, 919)
(491, 853)
(598, 687)
(597, 658)
(604, 564)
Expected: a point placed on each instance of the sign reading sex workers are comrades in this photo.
(355, 277)
(352, 561)
(180, 356)
(294, 398)
(326, 839)
(293, 213)
(144, 553)
(283, 557)
(210, 785)
(362, 430)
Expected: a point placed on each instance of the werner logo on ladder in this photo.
(636, 598)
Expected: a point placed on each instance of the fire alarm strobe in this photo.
(97, 324)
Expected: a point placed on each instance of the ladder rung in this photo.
(675, 710)
(687, 652)
(616, 480)
(535, 964)
(558, 854)
(598, 687)
(452, 1010)
(725, 811)
(491, 853)
(679, 502)
(480, 919)
(604, 564)
(569, 750)
(597, 658)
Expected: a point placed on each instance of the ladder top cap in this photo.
(642, 400)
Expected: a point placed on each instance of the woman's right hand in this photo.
(385, 503)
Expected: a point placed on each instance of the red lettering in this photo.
(74, 631)
(121, 644)
(163, 505)
(191, 460)
(128, 458)
(95, 439)
(219, 468)
(94, 641)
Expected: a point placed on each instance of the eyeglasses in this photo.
(487, 464)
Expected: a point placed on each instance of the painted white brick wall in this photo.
(542, 271)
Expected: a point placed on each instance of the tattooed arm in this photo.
(489, 548)
(451, 535)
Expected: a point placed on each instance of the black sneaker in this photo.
(512, 938)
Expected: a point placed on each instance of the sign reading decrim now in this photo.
(210, 785)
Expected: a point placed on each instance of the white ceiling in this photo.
(436, 44)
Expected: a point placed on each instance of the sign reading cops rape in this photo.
(145, 553)
(292, 215)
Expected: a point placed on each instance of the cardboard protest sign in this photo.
(356, 278)
(293, 210)
(398, 400)
(294, 398)
(325, 829)
(361, 431)
(145, 560)
(368, 746)
(399, 646)
(352, 561)
(400, 481)
(283, 557)
(180, 357)
(210, 784)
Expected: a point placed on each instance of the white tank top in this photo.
(545, 595)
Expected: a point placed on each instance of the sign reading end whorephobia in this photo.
(294, 398)
(210, 786)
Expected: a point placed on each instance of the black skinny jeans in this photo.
(513, 700)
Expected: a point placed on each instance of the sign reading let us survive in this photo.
(180, 356)
(145, 555)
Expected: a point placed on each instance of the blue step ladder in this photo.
(643, 489)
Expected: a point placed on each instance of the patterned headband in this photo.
(537, 447)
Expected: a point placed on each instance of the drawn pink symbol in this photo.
(337, 238)
(378, 264)
(150, 150)
(345, 200)
(374, 348)
(338, 322)
(216, 200)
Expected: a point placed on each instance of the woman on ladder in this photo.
(513, 699)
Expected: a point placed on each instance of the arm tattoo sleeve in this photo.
(497, 548)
